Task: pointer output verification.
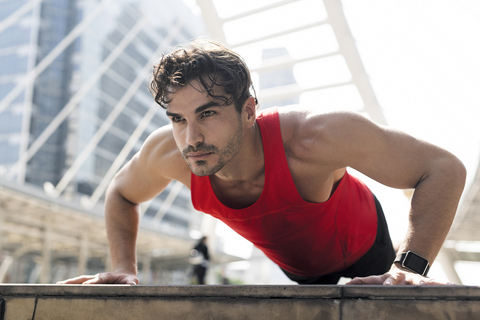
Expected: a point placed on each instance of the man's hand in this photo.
(115, 277)
(396, 276)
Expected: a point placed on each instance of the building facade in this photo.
(74, 100)
(98, 75)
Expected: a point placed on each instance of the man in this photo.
(280, 180)
(200, 260)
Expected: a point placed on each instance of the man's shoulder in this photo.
(299, 113)
(152, 168)
(160, 152)
(313, 135)
(300, 123)
(160, 141)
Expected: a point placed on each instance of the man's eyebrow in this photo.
(171, 114)
(208, 105)
(200, 109)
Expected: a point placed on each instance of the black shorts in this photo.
(376, 261)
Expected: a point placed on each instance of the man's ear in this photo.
(250, 109)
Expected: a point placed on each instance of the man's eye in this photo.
(208, 113)
(176, 119)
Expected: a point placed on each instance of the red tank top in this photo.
(303, 238)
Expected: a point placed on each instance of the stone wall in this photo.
(47, 302)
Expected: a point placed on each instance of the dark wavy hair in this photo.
(207, 61)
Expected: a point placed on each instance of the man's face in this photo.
(208, 133)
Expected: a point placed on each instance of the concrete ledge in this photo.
(40, 302)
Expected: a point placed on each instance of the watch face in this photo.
(415, 262)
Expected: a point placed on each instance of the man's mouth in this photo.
(198, 155)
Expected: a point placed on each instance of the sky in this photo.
(422, 58)
(423, 61)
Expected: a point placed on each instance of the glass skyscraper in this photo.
(74, 103)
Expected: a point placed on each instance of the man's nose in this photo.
(194, 135)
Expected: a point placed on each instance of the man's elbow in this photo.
(114, 193)
(456, 171)
(111, 188)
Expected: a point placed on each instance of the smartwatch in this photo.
(412, 261)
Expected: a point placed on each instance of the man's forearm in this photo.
(433, 208)
(122, 220)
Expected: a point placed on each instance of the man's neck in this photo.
(240, 184)
(248, 166)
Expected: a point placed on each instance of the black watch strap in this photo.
(412, 261)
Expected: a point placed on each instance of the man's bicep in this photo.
(150, 171)
(391, 157)
(138, 183)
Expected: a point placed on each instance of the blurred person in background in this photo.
(200, 259)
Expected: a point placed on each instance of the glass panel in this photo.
(299, 45)
(322, 72)
(276, 20)
(228, 8)
(333, 99)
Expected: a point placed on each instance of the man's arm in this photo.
(141, 179)
(122, 219)
(400, 161)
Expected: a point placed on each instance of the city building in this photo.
(74, 100)
(278, 77)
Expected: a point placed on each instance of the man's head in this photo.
(208, 62)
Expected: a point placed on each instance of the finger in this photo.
(99, 278)
(395, 279)
(94, 281)
(371, 280)
(433, 282)
(76, 280)
(413, 279)
(112, 278)
(389, 281)
(356, 280)
(129, 279)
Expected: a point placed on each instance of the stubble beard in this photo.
(224, 156)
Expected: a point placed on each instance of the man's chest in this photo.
(312, 187)
(238, 195)
(314, 183)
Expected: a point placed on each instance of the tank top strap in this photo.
(278, 178)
